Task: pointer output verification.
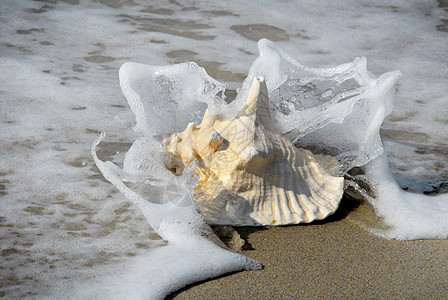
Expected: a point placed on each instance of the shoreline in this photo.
(337, 258)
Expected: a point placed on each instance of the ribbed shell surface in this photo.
(256, 176)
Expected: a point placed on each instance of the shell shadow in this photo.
(245, 232)
(347, 205)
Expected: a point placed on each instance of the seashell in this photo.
(250, 174)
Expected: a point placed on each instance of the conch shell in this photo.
(250, 174)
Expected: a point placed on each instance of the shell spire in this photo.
(257, 102)
(250, 173)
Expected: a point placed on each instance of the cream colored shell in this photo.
(250, 173)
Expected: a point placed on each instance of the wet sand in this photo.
(334, 259)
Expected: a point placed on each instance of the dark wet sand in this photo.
(337, 259)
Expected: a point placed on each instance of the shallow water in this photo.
(60, 220)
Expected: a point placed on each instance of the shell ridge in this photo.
(295, 204)
(303, 195)
(319, 195)
(277, 215)
(282, 200)
(291, 197)
(315, 191)
(303, 207)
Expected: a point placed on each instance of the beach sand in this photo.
(337, 258)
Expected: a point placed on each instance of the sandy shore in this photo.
(338, 258)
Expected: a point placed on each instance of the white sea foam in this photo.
(189, 256)
(344, 123)
(178, 95)
(59, 89)
(410, 215)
